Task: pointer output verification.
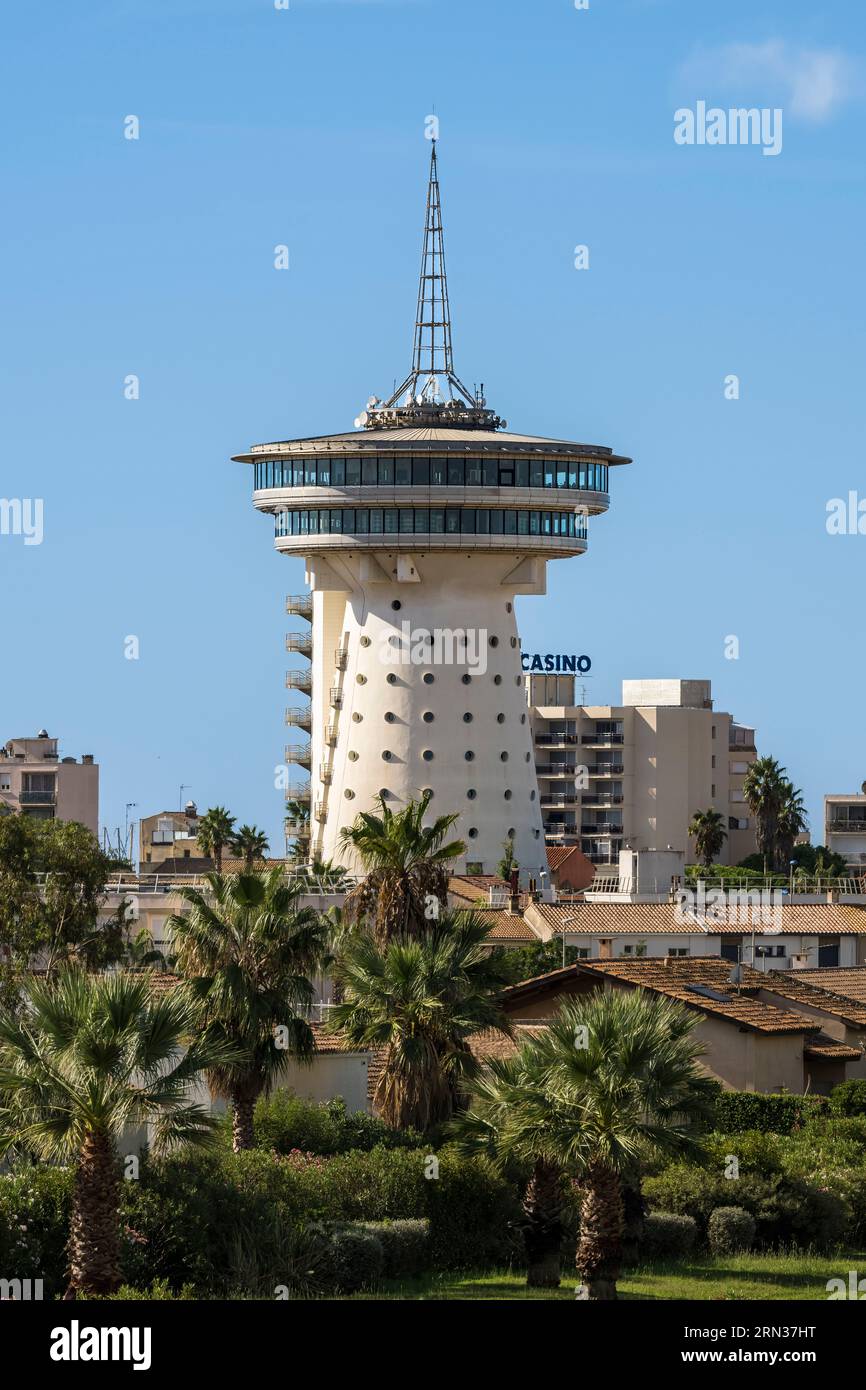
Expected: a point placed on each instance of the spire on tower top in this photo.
(421, 396)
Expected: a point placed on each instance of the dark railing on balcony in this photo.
(600, 799)
(554, 740)
(555, 769)
(43, 798)
(839, 826)
(566, 799)
(605, 769)
(605, 740)
(601, 830)
(336, 697)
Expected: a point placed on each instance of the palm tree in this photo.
(299, 812)
(86, 1059)
(214, 833)
(324, 873)
(636, 1091)
(790, 822)
(763, 789)
(247, 951)
(420, 998)
(141, 954)
(406, 864)
(710, 835)
(612, 1080)
(251, 844)
(502, 1098)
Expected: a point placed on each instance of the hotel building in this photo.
(35, 779)
(418, 529)
(632, 775)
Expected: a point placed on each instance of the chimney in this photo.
(514, 904)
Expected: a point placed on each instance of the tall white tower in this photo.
(418, 530)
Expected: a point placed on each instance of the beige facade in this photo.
(36, 780)
(845, 828)
(169, 835)
(633, 775)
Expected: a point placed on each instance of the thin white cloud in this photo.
(811, 83)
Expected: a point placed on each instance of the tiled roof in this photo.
(818, 992)
(473, 888)
(506, 926)
(489, 1042)
(630, 919)
(845, 981)
(675, 977)
(334, 1042)
(824, 1048)
(557, 854)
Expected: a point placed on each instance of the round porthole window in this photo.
(356, 717)
(467, 718)
(391, 678)
(503, 757)
(532, 796)
(472, 793)
(387, 754)
(523, 718)
(497, 680)
(466, 679)
(526, 757)
(514, 641)
(508, 607)
(500, 718)
(389, 717)
(362, 680)
(494, 641)
(469, 755)
(396, 604)
(427, 755)
(353, 756)
(349, 794)
(472, 832)
(511, 833)
(428, 716)
(365, 641)
(428, 678)
(507, 796)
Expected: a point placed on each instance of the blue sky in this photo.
(306, 127)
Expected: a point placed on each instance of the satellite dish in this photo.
(863, 788)
(361, 420)
(374, 400)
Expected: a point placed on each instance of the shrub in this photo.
(738, 1111)
(358, 1259)
(787, 1210)
(849, 1098)
(284, 1122)
(730, 1229)
(34, 1226)
(405, 1246)
(158, 1292)
(668, 1235)
(475, 1215)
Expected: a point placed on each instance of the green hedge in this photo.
(787, 1210)
(284, 1124)
(225, 1223)
(849, 1098)
(736, 1111)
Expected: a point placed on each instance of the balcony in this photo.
(299, 680)
(325, 774)
(331, 735)
(846, 827)
(300, 642)
(297, 828)
(601, 830)
(341, 658)
(554, 800)
(300, 605)
(40, 798)
(298, 791)
(300, 753)
(556, 770)
(299, 719)
(320, 811)
(556, 740)
(600, 799)
(602, 740)
(336, 697)
(606, 770)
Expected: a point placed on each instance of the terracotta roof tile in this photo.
(845, 981)
(818, 992)
(617, 918)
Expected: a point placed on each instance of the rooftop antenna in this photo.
(422, 395)
(184, 787)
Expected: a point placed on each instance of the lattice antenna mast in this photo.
(421, 396)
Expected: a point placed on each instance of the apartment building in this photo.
(633, 775)
(169, 835)
(845, 828)
(36, 780)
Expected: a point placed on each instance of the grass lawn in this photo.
(789, 1276)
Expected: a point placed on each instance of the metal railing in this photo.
(300, 605)
(336, 697)
(341, 658)
(301, 642)
(299, 680)
(300, 753)
(299, 718)
(43, 798)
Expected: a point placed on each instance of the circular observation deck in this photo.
(431, 489)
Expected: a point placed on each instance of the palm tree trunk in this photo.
(94, 1239)
(599, 1250)
(542, 1234)
(243, 1130)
